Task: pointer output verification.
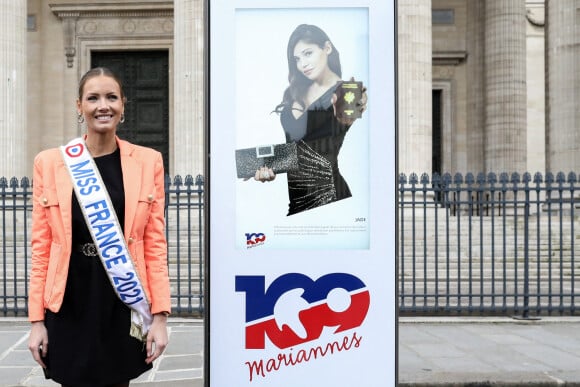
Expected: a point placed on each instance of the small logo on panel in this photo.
(255, 239)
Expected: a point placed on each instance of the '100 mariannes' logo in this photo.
(255, 239)
(295, 309)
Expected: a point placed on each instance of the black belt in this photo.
(88, 249)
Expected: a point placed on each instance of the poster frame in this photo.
(217, 12)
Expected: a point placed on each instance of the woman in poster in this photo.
(311, 118)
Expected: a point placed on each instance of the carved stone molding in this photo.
(536, 17)
(142, 20)
(114, 8)
(133, 26)
(442, 72)
(448, 58)
(69, 25)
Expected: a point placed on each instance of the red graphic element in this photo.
(74, 150)
(255, 238)
(314, 320)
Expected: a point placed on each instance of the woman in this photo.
(309, 117)
(80, 325)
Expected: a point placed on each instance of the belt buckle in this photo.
(89, 249)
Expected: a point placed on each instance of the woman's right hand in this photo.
(38, 342)
(264, 174)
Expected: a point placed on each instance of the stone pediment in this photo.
(112, 20)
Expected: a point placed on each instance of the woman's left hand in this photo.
(157, 338)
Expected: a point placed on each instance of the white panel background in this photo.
(373, 363)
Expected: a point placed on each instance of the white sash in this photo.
(107, 234)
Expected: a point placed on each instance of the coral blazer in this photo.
(51, 239)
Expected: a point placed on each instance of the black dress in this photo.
(89, 341)
(319, 136)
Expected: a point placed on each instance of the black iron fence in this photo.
(484, 245)
(15, 210)
(184, 218)
(495, 245)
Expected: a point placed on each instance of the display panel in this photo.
(301, 215)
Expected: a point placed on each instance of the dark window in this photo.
(437, 129)
(31, 22)
(442, 16)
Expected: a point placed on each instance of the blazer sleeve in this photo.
(40, 245)
(155, 245)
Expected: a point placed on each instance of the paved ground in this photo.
(489, 352)
(432, 352)
(181, 365)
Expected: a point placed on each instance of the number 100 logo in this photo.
(295, 309)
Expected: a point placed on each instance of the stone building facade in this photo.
(57, 41)
(484, 85)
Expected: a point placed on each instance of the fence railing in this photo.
(184, 218)
(485, 244)
(15, 207)
(488, 244)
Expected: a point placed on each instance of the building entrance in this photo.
(145, 77)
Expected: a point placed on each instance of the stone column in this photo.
(562, 112)
(13, 89)
(475, 66)
(415, 89)
(188, 133)
(505, 76)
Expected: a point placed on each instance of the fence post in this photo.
(526, 309)
(526, 313)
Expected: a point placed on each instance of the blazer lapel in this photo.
(131, 182)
